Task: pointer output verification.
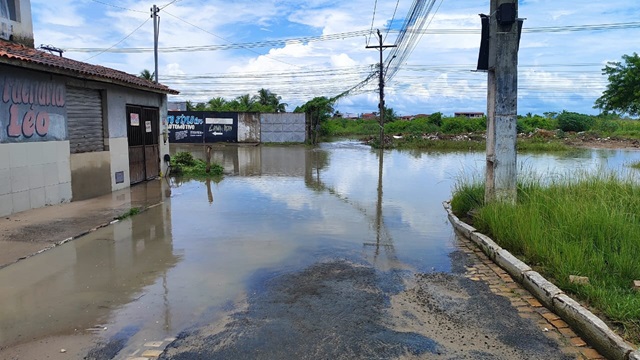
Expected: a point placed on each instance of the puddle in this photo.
(279, 210)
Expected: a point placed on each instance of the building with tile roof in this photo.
(70, 130)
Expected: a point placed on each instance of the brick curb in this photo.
(584, 321)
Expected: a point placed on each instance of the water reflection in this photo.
(75, 287)
(278, 209)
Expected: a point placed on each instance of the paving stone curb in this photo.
(584, 321)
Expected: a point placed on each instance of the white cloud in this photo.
(437, 76)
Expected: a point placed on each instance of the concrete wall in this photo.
(248, 128)
(33, 175)
(283, 127)
(34, 150)
(36, 167)
(90, 174)
(117, 99)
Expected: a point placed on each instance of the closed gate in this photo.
(144, 153)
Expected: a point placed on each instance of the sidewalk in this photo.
(30, 232)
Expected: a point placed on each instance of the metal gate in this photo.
(143, 130)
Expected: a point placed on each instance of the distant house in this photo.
(71, 130)
(369, 116)
(471, 115)
(177, 106)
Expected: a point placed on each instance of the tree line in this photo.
(264, 101)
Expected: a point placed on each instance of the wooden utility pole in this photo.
(502, 101)
(156, 26)
(381, 80)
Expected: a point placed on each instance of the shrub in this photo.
(435, 119)
(183, 158)
(571, 121)
(459, 125)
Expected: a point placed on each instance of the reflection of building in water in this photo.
(80, 283)
(288, 161)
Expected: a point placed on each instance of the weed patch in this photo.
(588, 227)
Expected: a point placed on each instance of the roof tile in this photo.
(13, 51)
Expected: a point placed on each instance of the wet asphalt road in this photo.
(345, 310)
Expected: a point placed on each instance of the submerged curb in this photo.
(55, 244)
(584, 321)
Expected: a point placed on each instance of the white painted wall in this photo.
(33, 175)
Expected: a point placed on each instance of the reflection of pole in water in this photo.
(379, 203)
(209, 192)
(383, 238)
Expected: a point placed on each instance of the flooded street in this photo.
(297, 252)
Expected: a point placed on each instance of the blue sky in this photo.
(557, 70)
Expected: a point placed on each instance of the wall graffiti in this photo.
(201, 126)
(32, 110)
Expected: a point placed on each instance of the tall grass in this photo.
(589, 226)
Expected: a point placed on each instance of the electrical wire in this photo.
(118, 7)
(219, 37)
(375, 6)
(257, 44)
(164, 6)
(346, 35)
(393, 17)
(118, 43)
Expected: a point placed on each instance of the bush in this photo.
(184, 164)
(571, 121)
(459, 125)
(183, 158)
(435, 119)
(531, 123)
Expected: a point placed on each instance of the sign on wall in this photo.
(202, 126)
(32, 109)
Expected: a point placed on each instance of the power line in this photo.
(118, 43)
(257, 44)
(118, 7)
(173, 2)
(375, 6)
(346, 35)
(219, 37)
(393, 17)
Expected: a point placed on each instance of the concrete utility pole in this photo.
(156, 25)
(502, 100)
(381, 80)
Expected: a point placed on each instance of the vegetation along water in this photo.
(585, 225)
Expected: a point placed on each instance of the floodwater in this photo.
(277, 211)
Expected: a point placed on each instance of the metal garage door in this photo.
(85, 125)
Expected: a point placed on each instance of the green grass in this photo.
(523, 144)
(131, 212)
(588, 227)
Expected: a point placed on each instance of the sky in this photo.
(303, 49)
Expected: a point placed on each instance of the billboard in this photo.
(197, 127)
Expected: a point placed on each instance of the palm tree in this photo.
(269, 99)
(147, 75)
(216, 104)
(245, 102)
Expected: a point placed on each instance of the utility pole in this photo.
(504, 29)
(156, 25)
(381, 80)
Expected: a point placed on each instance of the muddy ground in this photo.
(345, 310)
